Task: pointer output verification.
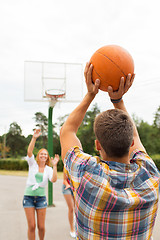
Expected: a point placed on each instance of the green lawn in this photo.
(23, 173)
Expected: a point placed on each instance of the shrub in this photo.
(22, 165)
(60, 166)
(156, 159)
(14, 165)
(10, 164)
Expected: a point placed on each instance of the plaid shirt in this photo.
(113, 200)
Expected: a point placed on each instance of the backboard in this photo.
(40, 77)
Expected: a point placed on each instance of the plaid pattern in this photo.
(113, 200)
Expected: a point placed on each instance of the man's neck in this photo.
(121, 160)
(124, 159)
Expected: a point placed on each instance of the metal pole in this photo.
(50, 150)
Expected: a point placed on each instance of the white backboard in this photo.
(42, 76)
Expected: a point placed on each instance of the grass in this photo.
(23, 173)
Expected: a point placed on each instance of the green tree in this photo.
(149, 134)
(16, 141)
(3, 150)
(56, 143)
(156, 122)
(15, 129)
(146, 133)
(85, 132)
(42, 122)
(156, 125)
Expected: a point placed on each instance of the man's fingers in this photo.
(89, 73)
(121, 85)
(110, 90)
(132, 78)
(129, 81)
(86, 69)
(97, 84)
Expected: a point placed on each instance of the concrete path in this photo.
(13, 225)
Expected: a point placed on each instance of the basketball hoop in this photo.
(53, 95)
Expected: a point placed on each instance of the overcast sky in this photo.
(71, 31)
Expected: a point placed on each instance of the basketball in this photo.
(110, 63)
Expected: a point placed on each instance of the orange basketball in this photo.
(110, 63)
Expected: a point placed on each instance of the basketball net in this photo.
(53, 95)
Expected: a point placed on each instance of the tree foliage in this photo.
(86, 133)
(148, 137)
(156, 122)
(42, 123)
(42, 142)
(17, 144)
(16, 141)
(4, 149)
(150, 134)
(15, 129)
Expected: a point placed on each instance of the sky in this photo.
(71, 31)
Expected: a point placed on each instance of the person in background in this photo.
(68, 195)
(34, 200)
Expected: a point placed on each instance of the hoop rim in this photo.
(58, 93)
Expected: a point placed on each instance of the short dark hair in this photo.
(114, 130)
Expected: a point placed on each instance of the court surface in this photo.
(13, 225)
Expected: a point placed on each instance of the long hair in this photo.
(48, 159)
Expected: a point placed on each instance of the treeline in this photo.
(14, 145)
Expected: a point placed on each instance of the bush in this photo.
(60, 166)
(156, 159)
(10, 164)
(22, 165)
(14, 165)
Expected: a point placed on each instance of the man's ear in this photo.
(98, 145)
(132, 143)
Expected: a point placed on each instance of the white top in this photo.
(33, 170)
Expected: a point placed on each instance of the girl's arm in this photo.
(54, 164)
(36, 134)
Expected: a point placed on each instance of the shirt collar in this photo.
(121, 167)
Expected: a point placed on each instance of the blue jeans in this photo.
(66, 191)
(34, 201)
